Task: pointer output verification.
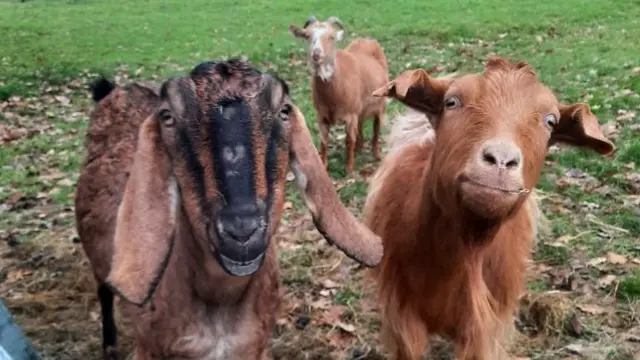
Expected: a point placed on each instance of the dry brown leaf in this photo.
(607, 280)
(616, 258)
(346, 327)
(596, 261)
(329, 284)
(591, 309)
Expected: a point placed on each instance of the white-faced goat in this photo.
(342, 83)
(180, 193)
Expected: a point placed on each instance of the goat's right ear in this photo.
(416, 89)
(145, 222)
(330, 216)
(297, 32)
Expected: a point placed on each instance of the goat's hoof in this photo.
(111, 353)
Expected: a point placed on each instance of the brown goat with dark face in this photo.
(454, 206)
(181, 191)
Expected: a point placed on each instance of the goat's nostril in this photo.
(488, 158)
(501, 155)
(513, 163)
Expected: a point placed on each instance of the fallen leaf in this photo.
(596, 261)
(591, 309)
(616, 258)
(329, 284)
(66, 182)
(607, 280)
(346, 327)
(575, 348)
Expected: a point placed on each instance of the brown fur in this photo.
(141, 220)
(345, 97)
(454, 266)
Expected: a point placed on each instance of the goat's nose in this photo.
(503, 155)
(239, 222)
(315, 54)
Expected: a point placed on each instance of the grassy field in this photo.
(584, 288)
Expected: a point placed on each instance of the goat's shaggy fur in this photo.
(455, 266)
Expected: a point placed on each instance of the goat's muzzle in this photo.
(239, 238)
(492, 184)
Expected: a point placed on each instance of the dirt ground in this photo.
(328, 313)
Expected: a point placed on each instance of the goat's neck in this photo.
(203, 271)
(326, 70)
(455, 237)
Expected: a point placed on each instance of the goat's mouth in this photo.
(506, 190)
(491, 198)
(240, 268)
(239, 256)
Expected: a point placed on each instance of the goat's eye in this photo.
(452, 102)
(285, 112)
(551, 120)
(166, 117)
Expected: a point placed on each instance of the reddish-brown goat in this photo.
(456, 247)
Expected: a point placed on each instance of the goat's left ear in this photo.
(330, 216)
(578, 126)
(297, 32)
(416, 89)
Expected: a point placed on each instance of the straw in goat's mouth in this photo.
(509, 191)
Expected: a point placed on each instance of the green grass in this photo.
(584, 50)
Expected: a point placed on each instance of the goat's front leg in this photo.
(481, 348)
(406, 339)
(360, 140)
(351, 138)
(323, 128)
(377, 120)
(109, 331)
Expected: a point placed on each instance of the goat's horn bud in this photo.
(335, 21)
(312, 19)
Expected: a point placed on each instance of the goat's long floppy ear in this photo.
(416, 89)
(145, 221)
(578, 126)
(330, 216)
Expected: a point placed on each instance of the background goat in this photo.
(180, 193)
(455, 211)
(342, 83)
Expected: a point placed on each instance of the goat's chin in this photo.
(240, 259)
(240, 268)
(486, 202)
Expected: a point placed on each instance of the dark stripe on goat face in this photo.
(231, 132)
(192, 163)
(274, 147)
